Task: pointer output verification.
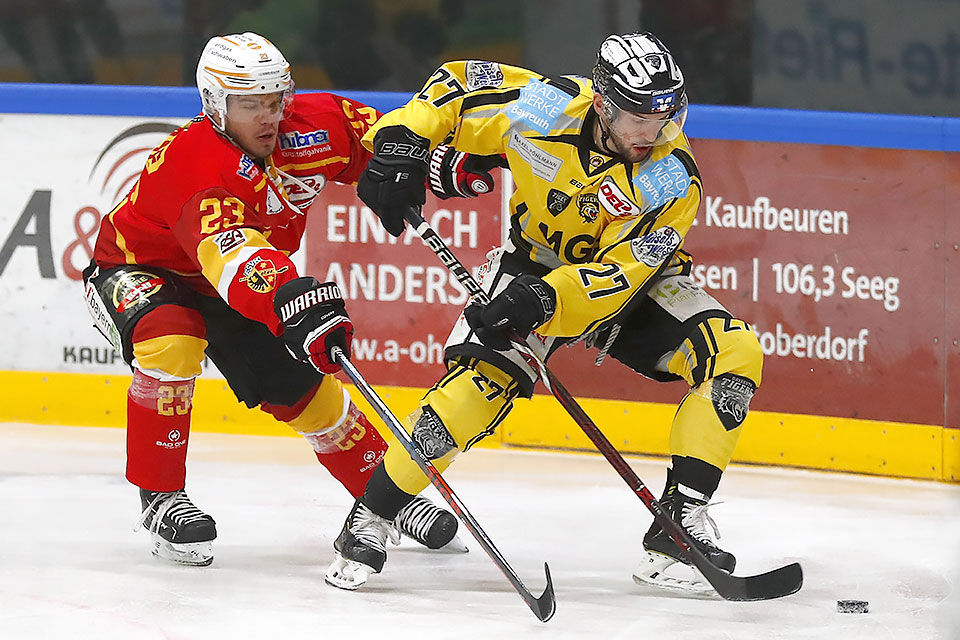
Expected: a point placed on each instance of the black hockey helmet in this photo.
(638, 74)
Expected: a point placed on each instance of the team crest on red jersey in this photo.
(260, 274)
(134, 288)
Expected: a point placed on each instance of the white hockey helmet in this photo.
(240, 64)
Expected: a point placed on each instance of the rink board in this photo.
(817, 442)
(830, 233)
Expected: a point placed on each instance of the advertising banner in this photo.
(841, 257)
(402, 300)
(857, 55)
(62, 175)
(836, 255)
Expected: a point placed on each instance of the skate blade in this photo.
(347, 574)
(653, 571)
(456, 545)
(194, 554)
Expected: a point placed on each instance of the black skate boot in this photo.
(688, 509)
(180, 532)
(429, 525)
(361, 548)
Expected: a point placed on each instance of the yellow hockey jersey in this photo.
(604, 227)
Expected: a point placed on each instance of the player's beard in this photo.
(629, 151)
(609, 142)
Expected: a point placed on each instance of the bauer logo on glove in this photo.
(394, 180)
(525, 304)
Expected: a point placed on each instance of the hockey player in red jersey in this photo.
(194, 262)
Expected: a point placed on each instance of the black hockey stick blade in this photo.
(773, 584)
(765, 586)
(546, 605)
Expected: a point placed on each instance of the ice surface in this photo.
(71, 566)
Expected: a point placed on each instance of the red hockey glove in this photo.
(454, 174)
(314, 321)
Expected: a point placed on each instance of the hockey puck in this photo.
(853, 606)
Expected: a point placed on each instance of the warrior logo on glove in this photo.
(314, 321)
(454, 174)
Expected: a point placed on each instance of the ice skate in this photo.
(361, 548)
(179, 531)
(431, 526)
(662, 553)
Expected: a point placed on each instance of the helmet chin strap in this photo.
(605, 139)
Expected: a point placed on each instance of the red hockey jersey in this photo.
(205, 210)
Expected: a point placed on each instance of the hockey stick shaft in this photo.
(542, 607)
(779, 582)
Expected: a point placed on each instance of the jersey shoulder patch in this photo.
(614, 200)
(662, 181)
(655, 247)
(480, 74)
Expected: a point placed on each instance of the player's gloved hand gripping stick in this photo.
(773, 584)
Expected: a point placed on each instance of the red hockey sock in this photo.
(350, 451)
(158, 427)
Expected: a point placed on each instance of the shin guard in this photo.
(158, 428)
(350, 450)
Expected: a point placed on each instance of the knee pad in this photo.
(321, 408)
(350, 449)
(716, 346)
(345, 430)
(332, 423)
(170, 339)
(164, 394)
(464, 407)
(470, 401)
(741, 353)
(730, 395)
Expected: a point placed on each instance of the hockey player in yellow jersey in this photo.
(606, 190)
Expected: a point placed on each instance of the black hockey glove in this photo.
(395, 179)
(314, 321)
(454, 174)
(524, 305)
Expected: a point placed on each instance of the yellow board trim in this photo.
(781, 439)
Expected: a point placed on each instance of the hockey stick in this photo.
(542, 607)
(773, 584)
